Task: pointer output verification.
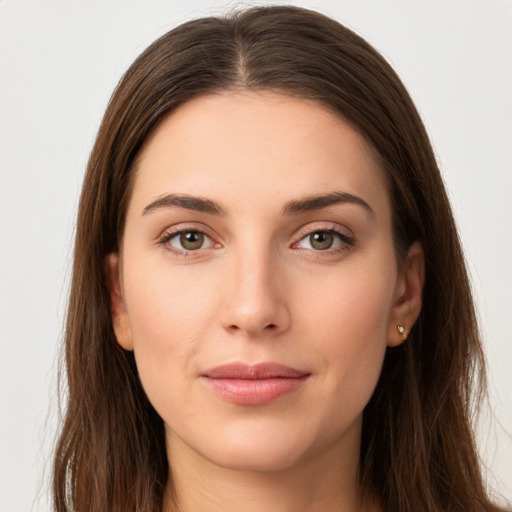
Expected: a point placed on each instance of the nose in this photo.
(255, 299)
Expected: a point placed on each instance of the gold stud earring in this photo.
(403, 333)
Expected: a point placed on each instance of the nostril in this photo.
(251, 328)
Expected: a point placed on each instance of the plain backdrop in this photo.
(60, 61)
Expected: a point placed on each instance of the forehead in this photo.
(265, 146)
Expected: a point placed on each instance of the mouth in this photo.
(258, 384)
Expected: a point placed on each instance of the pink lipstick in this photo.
(258, 384)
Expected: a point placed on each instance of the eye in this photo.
(323, 240)
(188, 240)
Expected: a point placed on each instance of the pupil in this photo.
(191, 240)
(321, 240)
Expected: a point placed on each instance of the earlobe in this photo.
(408, 295)
(119, 314)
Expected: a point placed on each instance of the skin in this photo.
(259, 289)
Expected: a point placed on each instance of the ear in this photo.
(120, 320)
(407, 300)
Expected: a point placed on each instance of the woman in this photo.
(269, 307)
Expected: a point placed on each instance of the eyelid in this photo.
(180, 227)
(176, 230)
(345, 236)
(313, 227)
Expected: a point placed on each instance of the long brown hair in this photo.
(418, 451)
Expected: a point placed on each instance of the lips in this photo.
(258, 384)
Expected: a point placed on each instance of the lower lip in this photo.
(254, 392)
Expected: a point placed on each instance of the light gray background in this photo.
(60, 61)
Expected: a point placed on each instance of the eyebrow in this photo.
(201, 204)
(186, 202)
(323, 201)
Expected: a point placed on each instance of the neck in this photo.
(327, 482)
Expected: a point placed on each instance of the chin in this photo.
(247, 445)
(254, 457)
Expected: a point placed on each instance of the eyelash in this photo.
(345, 241)
(167, 237)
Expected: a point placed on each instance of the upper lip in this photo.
(253, 372)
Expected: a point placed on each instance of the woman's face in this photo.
(257, 282)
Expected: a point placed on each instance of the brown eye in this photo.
(321, 240)
(327, 240)
(188, 240)
(191, 240)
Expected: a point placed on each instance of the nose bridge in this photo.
(255, 303)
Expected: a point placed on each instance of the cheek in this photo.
(168, 306)
(348, 317)
(170, 314)
(356, 302)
